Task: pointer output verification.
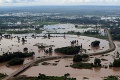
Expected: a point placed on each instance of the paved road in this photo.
(26, 66)
(111, 44)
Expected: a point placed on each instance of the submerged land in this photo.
(60, 43)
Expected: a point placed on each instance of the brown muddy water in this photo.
(60, 69)
(12, 45)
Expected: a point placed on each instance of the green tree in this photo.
(95, 43)
(116, 63)
(97, 62)
(16, 61)
(25, 49)
(77, 58)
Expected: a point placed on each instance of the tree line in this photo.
(68, 50)
(11, 55)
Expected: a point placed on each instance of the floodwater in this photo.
(61, 28)
(12, 45)
(92, 74)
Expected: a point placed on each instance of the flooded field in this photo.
(64, 28)
(13, 45)
(60, 69)
(61, 28)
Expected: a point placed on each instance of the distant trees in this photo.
(85, 20)
(116, 36)
(78, 33)
(44, 77)
(95, 43)
(76, 26)
(115, 32)
(73, 32)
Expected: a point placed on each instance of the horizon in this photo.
(59, 2)
(62, 6)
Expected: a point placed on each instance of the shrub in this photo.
(82, 65)
(95, 43)
(78, 58)
(111, 78)
(68, 50)
(16, 61)
(116, 63)
(97, 62)
(25, 49)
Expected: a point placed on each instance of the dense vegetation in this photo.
(68, 50)
(115, 32)
(95, 43)
(10, 55)
(44, 77)
(2, 76)
(82, 65)
(97, 62)
(111, 78)
(87, 33)
(20, 32)
(116, 63)
(78, 58)
(45, 23)
(25, 49)
(15, 61)
(73, 32)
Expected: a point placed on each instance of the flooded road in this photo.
(13, 45)
(92, 74)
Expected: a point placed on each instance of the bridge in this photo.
(26, 66)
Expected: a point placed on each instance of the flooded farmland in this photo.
(60, 69)
(58, 40)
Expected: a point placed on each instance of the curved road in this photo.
(26, 66)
